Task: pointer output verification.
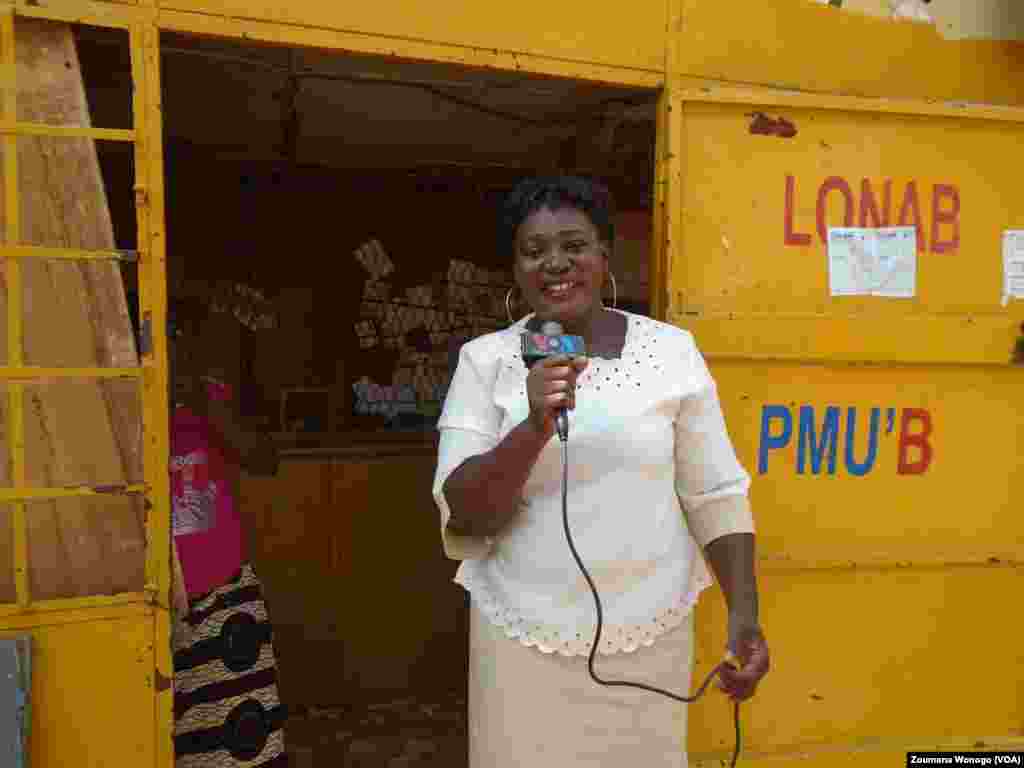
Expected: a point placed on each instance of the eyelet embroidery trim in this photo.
(625, 638)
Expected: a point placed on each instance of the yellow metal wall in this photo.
(884, 595)
(575, 30)
(93, 686)
(804, 46)
(759, 256)
(880, 591)
(884, 589)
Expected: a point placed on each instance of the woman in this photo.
(652, 476)
(226, 705)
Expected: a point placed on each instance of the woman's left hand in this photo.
(750, 649)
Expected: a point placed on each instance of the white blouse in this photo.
(647, 440)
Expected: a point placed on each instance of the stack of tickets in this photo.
(374, 259)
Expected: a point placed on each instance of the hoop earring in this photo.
(508, 305)
(615, 290)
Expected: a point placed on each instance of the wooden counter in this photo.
(347, 541)
(357, 445)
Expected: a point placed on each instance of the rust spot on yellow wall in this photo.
(762, 125)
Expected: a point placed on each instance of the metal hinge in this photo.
(146, 335)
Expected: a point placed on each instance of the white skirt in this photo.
(545, 711)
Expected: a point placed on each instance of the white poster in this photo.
(1013, 265)
(872, 262)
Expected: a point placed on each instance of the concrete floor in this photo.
(411, 731)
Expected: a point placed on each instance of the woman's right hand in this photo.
(551, 385)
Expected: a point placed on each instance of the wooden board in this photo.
(74, 314)
(341, 545)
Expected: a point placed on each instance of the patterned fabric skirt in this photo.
(227, 713)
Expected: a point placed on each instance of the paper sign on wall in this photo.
(872, 262)
(1013, 265)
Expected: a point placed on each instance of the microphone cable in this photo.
(563, 438)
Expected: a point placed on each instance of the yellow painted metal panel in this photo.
(801, 45)
(770, 44)
(150, 213)
(575, 30)
(667, 197)
(764, 253)
(67, 131)
(945, 497)
(42, 373)
(92, 603)
(425, 50)
(149, 200)
(713, 91)
(882, 592)
(26, 494)
(76, 611)
(869, 659)
(92, 688)
(74, 254)
(884, 572)
(757, 206)
(99, 13)
(15, 354)
(983, 340)
(104, 666)
(869, 755)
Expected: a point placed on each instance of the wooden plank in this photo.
(75, 314)
(8, 592)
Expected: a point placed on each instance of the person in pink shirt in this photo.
(226, 704)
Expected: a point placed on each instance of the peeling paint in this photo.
(109, 488)
(762, 125)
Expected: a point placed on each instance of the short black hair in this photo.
(554, 192)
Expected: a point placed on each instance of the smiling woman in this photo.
(654, 477)
(561, 232)
(561, 251)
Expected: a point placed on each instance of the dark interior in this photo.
(291, 177)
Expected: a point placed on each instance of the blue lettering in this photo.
(852, 465)
(829, 438)
(768, 443)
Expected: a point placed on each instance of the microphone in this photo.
(549, 343)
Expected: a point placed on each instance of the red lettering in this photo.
(868, 206)
(918, 439)
(831, 183)
(945, 210)
(949, 216)
(792, 237)
(911, 206)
